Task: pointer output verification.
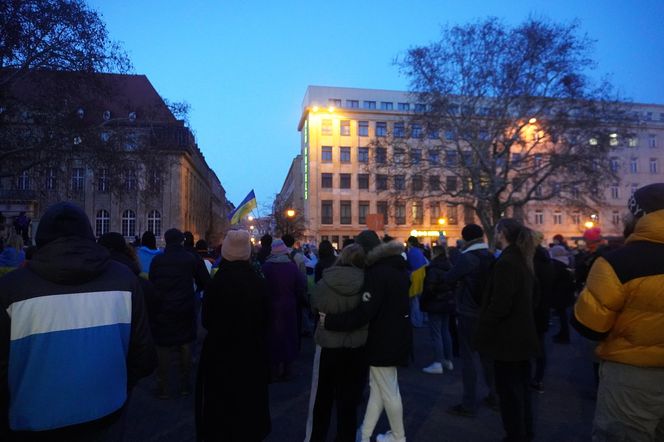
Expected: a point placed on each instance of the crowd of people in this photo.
(120, 312)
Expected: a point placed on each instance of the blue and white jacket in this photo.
(74, 337)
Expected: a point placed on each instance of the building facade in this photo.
(168, 185)
(338, 191)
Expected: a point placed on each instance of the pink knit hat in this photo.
(279, 248)
(236, 246)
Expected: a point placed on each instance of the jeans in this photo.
(512, 379)
(439, 327)
(466, 328)
(416, 315)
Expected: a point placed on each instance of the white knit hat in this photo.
(236, 246)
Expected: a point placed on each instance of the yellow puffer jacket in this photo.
(623, 301)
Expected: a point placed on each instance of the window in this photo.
(344, 128)
(363, 154)
(102, 180)
(449, 135)
(433, 134)
(576, 218)
(353, 104)
(400, 213)
(434, 213)
(345, 212)
(451, 158)
(399, 130)
(363, 128)
(417, 183)
(653, 165)
(154, 222)
(381, 208)
(615, 192)
(362, 180)
(326, 127)
(648, 116)
(326, 180)
(363, 211)
(128, 223)
(381, 182)
(633, 142)
(613, 140)
(452, 218)
(399, 155)
(23, 181)
(615, 217)
(416, 131)
(154, 180)
(614, 164)
(399, 182)
(468, 215)
(51, 178)
(77, 178)
(416, 156)
(336, 102)
(652, 140)
(344, 154)
(386, 105)
(403, 106)
(592, 141)
(344, 181)
(537, 160)
(539, 217)
(131, 182)
(419, 107)
(451, 184)
(381, 128)
(434, 182)
(381, 155)
(102, 223)
(557, 218)
(434, 156)
(634, 165)
(326, 212)
(369, 104)
(326, 154)
(417, 212)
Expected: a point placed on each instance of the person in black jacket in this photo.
(385, 307)
(544, 283)
(74, 337)
(438, 301)
(173, 274)
(232, 383)
(562, 291)
(506, 329)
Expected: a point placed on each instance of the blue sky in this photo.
(244, 66)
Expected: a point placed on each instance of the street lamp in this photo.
(441, 221)
(290, 214)
(589, 224)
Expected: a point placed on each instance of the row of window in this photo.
(77, 179)
(398, 129)
(128, 223)
(372, 104)
(634, 165)
(398, 215)
(380, 155)
(381, 182)
(574, 218)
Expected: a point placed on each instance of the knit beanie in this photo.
(647, 199)
(471, 232)
(61, 220)
(236, 246)
(279, 248)
(368, 239)
(559, 253)
(592, 235)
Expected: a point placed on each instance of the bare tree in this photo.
(504, 116)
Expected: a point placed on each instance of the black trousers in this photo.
(342, 375)
(512, 379)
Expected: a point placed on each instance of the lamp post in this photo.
(290, 214)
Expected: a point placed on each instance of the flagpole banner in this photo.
(244, 208)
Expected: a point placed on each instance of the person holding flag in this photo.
(417, 263)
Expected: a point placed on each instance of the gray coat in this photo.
(340, 290)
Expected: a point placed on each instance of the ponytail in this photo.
(521, 237)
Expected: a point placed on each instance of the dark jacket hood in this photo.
(344, 280)
(385, 250)
(70, 260)
(63, 220)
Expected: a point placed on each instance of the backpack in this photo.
(481, 274)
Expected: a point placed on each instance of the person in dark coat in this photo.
(506, 329)
(544, 283)
(326, 258)
(266, 248)
(287, 288)
(385, 307)
(173, 274)
(437, 301)
(233, 373)
(562, 291)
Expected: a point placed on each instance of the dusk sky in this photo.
(244, 66)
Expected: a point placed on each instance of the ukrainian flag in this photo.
(246, 206)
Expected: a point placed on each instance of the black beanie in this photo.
(471, 232)
(173, 236)
(368, 239)
(647, 199)
(61, 220)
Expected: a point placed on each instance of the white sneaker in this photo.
(435, 368)
(448, 365)
(389, 437)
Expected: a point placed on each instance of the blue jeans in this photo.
(416, 315)
(467, 326)
(439, 327)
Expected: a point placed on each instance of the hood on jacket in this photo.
(344, 280)
(149, 251)
(63, 219)
(70, 260)
(385, 250)
(649, 228)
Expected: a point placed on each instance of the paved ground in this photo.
(563, 412)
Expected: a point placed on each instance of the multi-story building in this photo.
(169, 186)
(338, 190)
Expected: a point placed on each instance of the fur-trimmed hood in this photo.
(385, 250)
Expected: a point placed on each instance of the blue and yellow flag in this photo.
(247, 205)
